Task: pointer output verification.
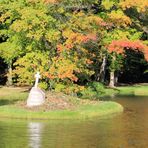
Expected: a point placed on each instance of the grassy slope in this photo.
(8, 97)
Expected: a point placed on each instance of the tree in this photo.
(124, 26)
(23, 33)
(28, 65)
(70, 42)
(118, 48)
(9, 51)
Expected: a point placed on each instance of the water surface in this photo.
(126, 130)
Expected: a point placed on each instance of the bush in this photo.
(59, 87)
(92, 91)
(97, 87)
(69, 89)
(43, 85)
(88, 93)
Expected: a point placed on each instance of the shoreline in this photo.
(57, 106)
(105, 108)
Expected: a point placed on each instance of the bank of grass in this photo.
(10, 96)
(96, 90)
(134, 90)
(83, 112)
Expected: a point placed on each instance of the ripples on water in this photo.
(127, 130)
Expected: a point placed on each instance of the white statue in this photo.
(37, 76)
(36, 95)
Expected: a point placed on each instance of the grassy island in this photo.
(57, 106)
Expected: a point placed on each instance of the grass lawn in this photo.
(9, 97)
(83, 112)
(135, 90)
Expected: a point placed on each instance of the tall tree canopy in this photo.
(70, 42)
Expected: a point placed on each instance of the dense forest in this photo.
(73, 43)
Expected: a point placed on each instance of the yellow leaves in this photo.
(84, 22)
(119, 18)
(28, 21)
(4, 16)
(19, 26)
(72, 88)
(34, 17)
(61, 10)
(140, 5)
(52, 35)
(72, 38)
(67, 33)
(62, 69)
(35, 35)
(95, 19)
(76, 38)
(35, 23)
(26, 66)
(107, 4)
(32, 13)
(65, 69)
(44, 1)
(50, 1)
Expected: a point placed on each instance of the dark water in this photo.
(127, 130)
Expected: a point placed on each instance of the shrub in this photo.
(97, 87)
(59, 87)
(92, 90)
(88, 93)
(43, 85)
(70, 89)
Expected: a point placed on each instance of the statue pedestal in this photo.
(36, 97)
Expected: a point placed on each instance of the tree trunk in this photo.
(101, 75)
(116, 78)
(112, 72)
(112, 79)
(9, 75)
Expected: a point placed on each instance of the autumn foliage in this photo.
(138, 4)
(70, 42)
(120, 46)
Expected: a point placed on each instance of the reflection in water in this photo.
(127, 130)
(35, 129)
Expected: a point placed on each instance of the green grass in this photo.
(83, 112)
(9, 96)
(135, 90)
(12, 95)
(8, 92)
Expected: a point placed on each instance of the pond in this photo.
(126, 130)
